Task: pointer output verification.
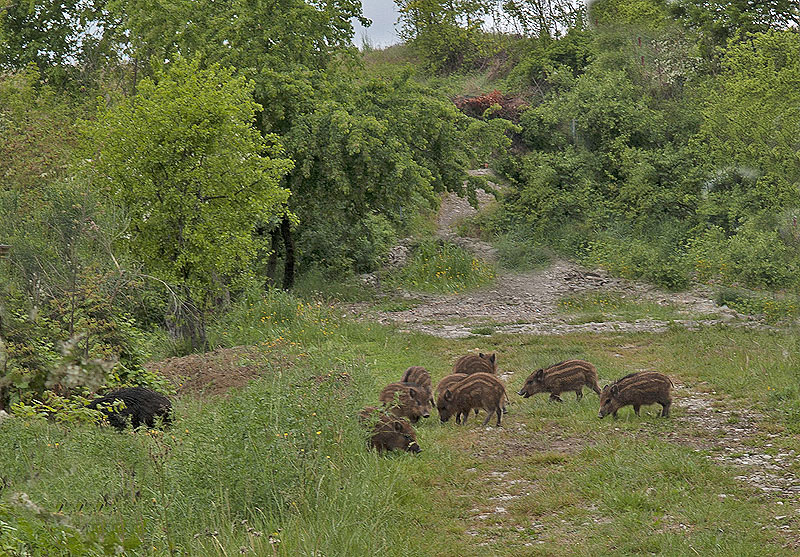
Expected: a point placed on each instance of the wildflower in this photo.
(319, 432)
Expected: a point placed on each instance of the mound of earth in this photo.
(215, 372)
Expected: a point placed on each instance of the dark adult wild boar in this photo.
(569, 375)
(477, 390)
(387, 432)
(139, 406)
(480, 363)
(406, 400)
(645, 387)
(419, 376)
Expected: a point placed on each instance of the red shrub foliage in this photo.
(510, 106)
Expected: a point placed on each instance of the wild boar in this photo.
(644, 387)
(406, 400)
(389, 432)
(139, 406)
(477, 390)
(419, 376)
(480, 363)
(569, 375)
(447, 382)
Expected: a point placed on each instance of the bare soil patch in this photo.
(215, 372)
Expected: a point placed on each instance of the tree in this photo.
(750, 129)
(718, 21)
(66, 40)
(544, 18)
(446, 33)
(195, 177)
(367, 160)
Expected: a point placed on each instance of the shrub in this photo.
(443, 267)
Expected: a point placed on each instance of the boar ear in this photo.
(412, 392)
(481, 354)
(493, 357)
(448, 396)
(539, 375)
(398, 426)
(614, 390)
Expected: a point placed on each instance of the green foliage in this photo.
(772, 307)
(369, 160)
(654, 259)
(521, 253)
(192, 175)
(62, 39)
(718, 22)
(284, 47)
(442, 267)
(646, 14)
(750, 128)
(271, 318)
(446, 35)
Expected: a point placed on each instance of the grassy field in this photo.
(279, 467)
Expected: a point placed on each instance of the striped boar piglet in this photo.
(637, 389)
(388, 432)
(569, 375)
(406, 400)
(419, 376)
(477, 390)
(476, 363)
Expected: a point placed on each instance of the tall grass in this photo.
(445, 268)
(279, 466)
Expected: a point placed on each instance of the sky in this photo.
(383, 14)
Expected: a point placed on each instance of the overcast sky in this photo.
(383, 14)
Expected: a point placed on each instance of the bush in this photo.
(443, 267)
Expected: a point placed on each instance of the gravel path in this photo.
(527, 302)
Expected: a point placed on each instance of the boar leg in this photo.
(636, 408)
(555, 398)
(499, 413)
(488, 417)
(464, 417)
(579, 394)
(665, 409)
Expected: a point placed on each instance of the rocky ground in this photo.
(527, 302)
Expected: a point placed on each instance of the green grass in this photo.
(233, 472)
(774, 308)
(521, 254)
(444, 268)
(595, 307)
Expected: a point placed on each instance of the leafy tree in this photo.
(66, 40)
(447, 34)
(750, 129)
(718, 21)
(367, 161)
(194, 176)
(544, 18)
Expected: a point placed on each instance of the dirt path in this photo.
(527, 302)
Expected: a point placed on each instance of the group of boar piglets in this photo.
(474, 385)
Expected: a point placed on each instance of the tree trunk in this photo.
(288, 264)
(272, 264)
